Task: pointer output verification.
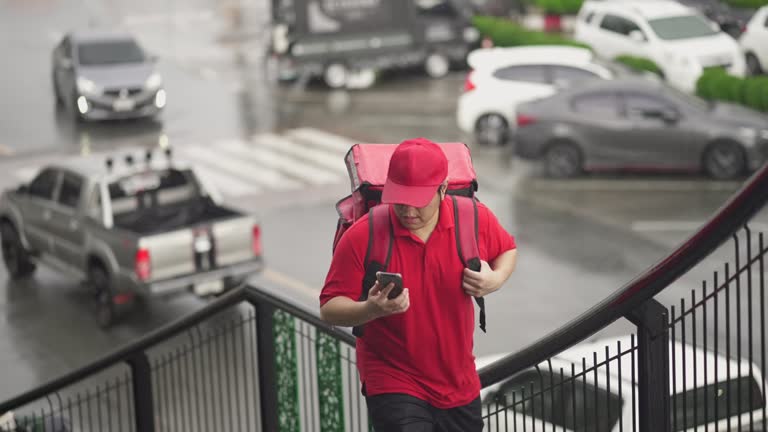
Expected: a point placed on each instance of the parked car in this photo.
(342, 40)
(104, 74)
(128, 229)
(731, 21)
(640, 125)
(501, 78)
(678, 39)
(604, 401)
(754, 42)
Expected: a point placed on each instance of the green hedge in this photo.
(560, 7)
(505, 33)
(716, 84)
(639, 63)
(750, 4)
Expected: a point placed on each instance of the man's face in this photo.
(415, 218)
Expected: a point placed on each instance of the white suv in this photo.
(678, 39)
(754, 42)
(502, 78)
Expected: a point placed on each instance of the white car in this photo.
(677, 38)
(556, 411)
(502, 78)
(754, 42)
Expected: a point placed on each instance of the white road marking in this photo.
(253, 173)
(226, 184)
(269, 158)
(278, 143)
(323, 139)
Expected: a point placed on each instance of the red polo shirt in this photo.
(426, 352)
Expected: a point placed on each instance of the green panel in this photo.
(286, 372)
(329, 383)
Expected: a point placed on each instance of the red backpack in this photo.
(367, 165)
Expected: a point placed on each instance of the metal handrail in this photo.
(123, 354)
(734, 214)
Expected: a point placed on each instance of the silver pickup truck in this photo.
(142, 225)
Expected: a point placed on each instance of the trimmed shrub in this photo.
(559, 7)
(749, 4)
(639, 64)
(716, 84)
(505, 33)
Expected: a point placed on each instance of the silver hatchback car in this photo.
(101, 75)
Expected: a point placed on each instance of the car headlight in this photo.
(154, 81)
(471, 35)
(749, 134)
(86, 86)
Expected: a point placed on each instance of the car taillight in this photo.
(525, 120)
(468, 84)
(143, 266)
(256, 240)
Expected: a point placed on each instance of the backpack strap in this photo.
(380, 234)
(465, 221)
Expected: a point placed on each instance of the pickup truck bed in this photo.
(179, 215)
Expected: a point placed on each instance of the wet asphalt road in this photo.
(579, 240)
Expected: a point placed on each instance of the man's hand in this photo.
(379, 305)
(482, 283)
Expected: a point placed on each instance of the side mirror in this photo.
(65, 63)
(22, 189)
(670, 116)
(637, 36)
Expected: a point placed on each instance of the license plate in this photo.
(209, 287)
(123, 105)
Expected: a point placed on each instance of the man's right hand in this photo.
(380, 305)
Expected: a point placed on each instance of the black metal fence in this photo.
(704, 358)
(252, 360)
(696, 363)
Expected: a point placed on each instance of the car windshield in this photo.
(112, 52)
(681, 27)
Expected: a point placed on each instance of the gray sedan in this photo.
(101, 75)
(640, 125)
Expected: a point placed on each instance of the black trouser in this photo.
(403, 413)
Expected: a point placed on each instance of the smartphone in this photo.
(386, 278)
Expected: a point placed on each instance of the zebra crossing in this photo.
(295, 159)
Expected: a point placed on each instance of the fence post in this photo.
(267, 366)
(653, 366)
(141, 373)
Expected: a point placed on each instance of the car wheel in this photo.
(562, 160)
(724, 160)
(753, 65)
(98, 279)
(492, 130)
(437, 65)
(16, 258)
(336, 75)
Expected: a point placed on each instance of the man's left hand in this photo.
(481, 283)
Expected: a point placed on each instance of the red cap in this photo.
(417, 167)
